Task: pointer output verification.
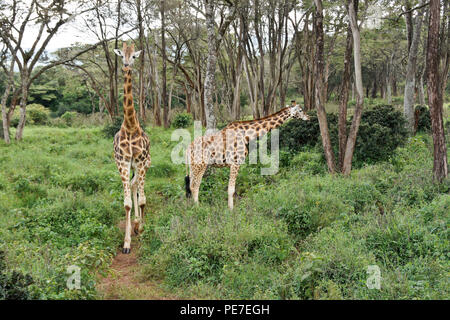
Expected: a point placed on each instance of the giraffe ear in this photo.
(118, 52)
(136, 54)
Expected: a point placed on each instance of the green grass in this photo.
(299, 234)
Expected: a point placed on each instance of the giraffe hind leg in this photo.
(134, 191)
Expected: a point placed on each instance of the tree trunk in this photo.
(210, 78)
(23, 108)
(408, 103)
(164, 69)
(321, 114)
(345, 86)
(351, 141)
(142, 66)
(435, 94)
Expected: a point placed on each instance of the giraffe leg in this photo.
(196, 180)
(127, 203)
(231, 184)
(134, 190)
(142, 199)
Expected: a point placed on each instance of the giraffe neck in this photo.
(259, 127)
(130, 122)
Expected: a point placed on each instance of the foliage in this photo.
(424, 119)
(68, 117)
(182, 120)
(381, 131)
(59, 209)
(14, 285)
(299, 234)
(36, 114)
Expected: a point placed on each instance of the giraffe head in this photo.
(297, 113)
(128, 55)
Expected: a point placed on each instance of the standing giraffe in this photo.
(131, 150)
(228, 148)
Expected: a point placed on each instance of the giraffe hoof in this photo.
(126, 250)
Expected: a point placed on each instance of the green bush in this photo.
(182, 120)
(424, 121)
(296, 133)
(14, 285)
(381, 131)
(37, 114)
(15, 117)
(68, 117)
(110, 129)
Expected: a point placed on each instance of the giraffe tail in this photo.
(187, 179)
(187, 182)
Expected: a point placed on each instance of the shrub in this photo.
(14, 285)
(110, 129)
(182, 120)
(296, 134)
(423, 119)
(69, 117)
(15, 117)
(381, 131)
(37, 114)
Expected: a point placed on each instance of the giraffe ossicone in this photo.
(229, 148)
(131, 151)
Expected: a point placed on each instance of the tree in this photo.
(351, 140)
(435, 90)
(345, 86)
(213, 46)
(413, 40)
(319, 99)
(48, 16)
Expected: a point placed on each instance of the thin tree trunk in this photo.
(142, 66)
(210, 67)
(435, 94)
(408, 104)
(164, 69)
(342, 124)
(351, 141)
(23, 107)
(321, 114)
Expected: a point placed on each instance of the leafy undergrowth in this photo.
(299, 234)
(303, 234)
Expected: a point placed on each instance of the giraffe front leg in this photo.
(142, 199)
(127, 203)
(231, 185)
(137, 217)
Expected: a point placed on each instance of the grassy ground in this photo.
(299, 234)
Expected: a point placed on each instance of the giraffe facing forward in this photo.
(228, 148)
(131, 151)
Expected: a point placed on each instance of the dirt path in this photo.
(124, 279)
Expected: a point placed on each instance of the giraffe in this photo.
(131, 151)
(228, 148)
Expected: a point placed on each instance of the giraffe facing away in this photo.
(228, 148)
(131, 151)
